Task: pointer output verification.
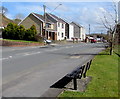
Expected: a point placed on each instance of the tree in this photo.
(3, 10)
(20, 32)
(16, 21)
(31, 33)
(111, 26)
(9, 31)
(19, 16)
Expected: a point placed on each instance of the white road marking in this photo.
(6, 58)
(10, 56)
(3, 59)
(26, 54)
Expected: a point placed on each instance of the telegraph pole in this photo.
(45, 19)
(89, 29)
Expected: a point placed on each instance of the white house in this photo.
(59, 25)
(71, 32)
(82, 33)
(60, 31)
(79, 31)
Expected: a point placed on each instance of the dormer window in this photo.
(48, 25)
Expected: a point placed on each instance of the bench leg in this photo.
(75, 83)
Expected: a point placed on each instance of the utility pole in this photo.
(89, 29)
(45, 19)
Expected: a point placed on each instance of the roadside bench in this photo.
(79, 72)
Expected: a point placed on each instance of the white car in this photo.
(47, 41)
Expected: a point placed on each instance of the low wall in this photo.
(12, 43)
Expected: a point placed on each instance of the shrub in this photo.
(20, 33)
(9, 31)
(38, 38)
(13, 31)
(30, 33)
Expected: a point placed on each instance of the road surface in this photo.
(30, 71)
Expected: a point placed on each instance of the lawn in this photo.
(117, 49)
(21, 41)
(104, 72)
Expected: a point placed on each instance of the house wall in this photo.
(76, 31)
(31, 20)
(52, 26)
(60, 30)
(67, 30)
(53, 20)
(71, 31)
(82, 34)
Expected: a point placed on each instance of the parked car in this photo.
(93, 41)
(47, 41)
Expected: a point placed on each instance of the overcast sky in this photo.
(84, 13)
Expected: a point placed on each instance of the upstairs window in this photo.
(48, 25)
(62, 25)
(58, 33)
(62, 35)
(58, 24)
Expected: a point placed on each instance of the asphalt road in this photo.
(30, 71)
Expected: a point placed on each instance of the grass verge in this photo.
(24, 41)
(104, 72)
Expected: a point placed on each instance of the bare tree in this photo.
(19, 16)
(110, 25)
(3, 10)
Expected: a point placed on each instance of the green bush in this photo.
(20, 33)
(9, 31)
(30, 33)
(13, 31)
(38, 38)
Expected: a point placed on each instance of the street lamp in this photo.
(56, 8)
(44, 6)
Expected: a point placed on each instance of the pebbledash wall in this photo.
(71, 31)
(60, 31)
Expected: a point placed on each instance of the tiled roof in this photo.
(76, 24)
(42, 17)
(57, 18)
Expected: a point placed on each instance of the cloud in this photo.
(29, 8)
(57, 7)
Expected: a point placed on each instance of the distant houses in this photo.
(56, 28)
(79, 31)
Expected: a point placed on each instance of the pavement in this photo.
(30, 71)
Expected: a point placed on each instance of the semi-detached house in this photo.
(56, 28)
(59, 25)
(39, 22)
(79, 31)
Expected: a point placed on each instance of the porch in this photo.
(50, 35)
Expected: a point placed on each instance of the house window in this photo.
(58, 33)
(48, 25)
(62, 34)
(62, 25)
(58, 24)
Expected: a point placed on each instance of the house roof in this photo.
(56, 18)
(76, 24)
(40, 17)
